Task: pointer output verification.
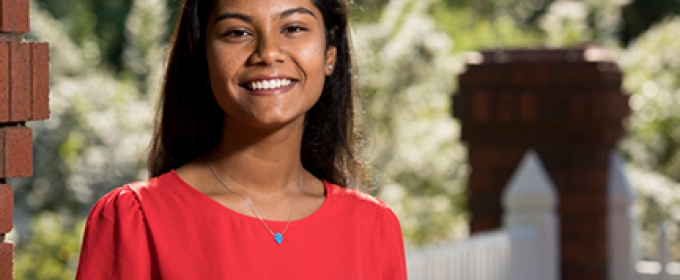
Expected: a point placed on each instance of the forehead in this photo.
(262, 7)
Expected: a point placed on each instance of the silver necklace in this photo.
(278, 236)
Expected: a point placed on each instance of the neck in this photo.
(264, 161)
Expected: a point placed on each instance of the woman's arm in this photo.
(116, 243)
(394, 260)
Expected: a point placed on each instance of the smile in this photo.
(269, 84)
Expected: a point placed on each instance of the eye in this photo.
(294, 29)
(236, 33)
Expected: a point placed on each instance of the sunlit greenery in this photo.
(107, 57)
(652, 65)
(52, 250)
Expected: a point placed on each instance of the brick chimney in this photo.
(568, 105)
(24, 93)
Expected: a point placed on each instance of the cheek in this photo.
(314, 62)
(223, 64)
(221, 72)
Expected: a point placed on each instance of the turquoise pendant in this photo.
(278, 238)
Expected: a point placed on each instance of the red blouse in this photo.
(165, 229)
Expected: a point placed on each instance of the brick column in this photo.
(568, 105)
(24, 90)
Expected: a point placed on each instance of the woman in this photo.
(254, 138)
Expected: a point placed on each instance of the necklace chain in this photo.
(278, 237)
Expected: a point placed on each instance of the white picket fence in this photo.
(526, 249)
(506, 254)
(663, 268)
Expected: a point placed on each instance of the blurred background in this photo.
(107, 59)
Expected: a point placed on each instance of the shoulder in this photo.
(153, 185)
(362, 202)
(353, 196)
(127, 199)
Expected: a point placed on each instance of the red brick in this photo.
(489, 179)
(505, 108)
(584, 272)
(18, 151)
(485, 204)
(542, 73)
(495, 157)
(617, 105)
(40, 81)
(611, 135)
(528, 106)
(481, 107)
(4, 81)
(3, 150)
(20, 81)
(577, 107)
(521, 77)
(567, 108)
(458, 106)
(479, 224)
(582, 204)
(553, 108)
(583, 226)
(594, 179)
(482, 179)
(14, 16)
(599, 106)
(6, 208)
(478, 75)
(6, 262)
(593, 250)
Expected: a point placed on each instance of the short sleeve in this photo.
(394, 260)
(115, 243)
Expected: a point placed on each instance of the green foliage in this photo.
(107, 58)
(366, 10)
(100, 119)
(569, 22)
(652, 64)
(470, 31)
(51, 251)
(102, 25)
(406, 79)
(657, 202)
(99, 127)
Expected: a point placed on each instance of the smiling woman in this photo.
(266, 64)
(255, 170)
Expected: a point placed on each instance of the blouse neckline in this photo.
(230, 212)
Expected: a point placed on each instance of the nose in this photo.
(267, 52)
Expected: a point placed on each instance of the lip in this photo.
(269, 92)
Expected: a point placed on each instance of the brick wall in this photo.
(566, 105)
(24, 96)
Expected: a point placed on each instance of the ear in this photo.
(331, 54)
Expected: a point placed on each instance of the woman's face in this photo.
(267, 59)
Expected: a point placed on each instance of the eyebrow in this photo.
(248, 18)
(224, 16)
(297, 10)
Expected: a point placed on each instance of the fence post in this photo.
(530, 200)
(621, 195)
(664, 256)
(568, 105)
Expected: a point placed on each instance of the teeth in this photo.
(270, 84)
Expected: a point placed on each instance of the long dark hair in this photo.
(189, 121)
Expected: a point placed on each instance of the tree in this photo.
(651, 64)
(103, 87)
(406, 79)
(95, 139)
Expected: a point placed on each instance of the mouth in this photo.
(268, 84)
